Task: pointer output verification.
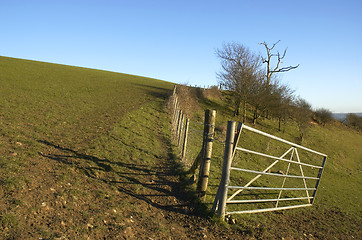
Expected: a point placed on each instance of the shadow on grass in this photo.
(163, 183)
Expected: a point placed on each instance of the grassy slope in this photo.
(56, 153)
(337, 211)
(65, 101)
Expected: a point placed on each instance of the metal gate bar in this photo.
(282, 140)
(273, 174)
(277, 158)
(267, 200)
(269, 209)
(221, 199)
(269, 188)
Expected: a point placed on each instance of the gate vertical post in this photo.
(208, 136)
(319, 179)
(225, 177)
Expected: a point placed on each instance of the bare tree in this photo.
(249, 84)
(302, 114)
(239, 74)
(270, 69)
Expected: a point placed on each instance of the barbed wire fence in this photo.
(194, 141)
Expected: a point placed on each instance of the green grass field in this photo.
(65, 132)
(86, 153)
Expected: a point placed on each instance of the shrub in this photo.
(323, 116)
(354, 121)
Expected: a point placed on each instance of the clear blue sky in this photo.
(176, 40)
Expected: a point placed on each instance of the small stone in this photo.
(14, 154)
(203, 235)
(90, 226)
(19, 143)
(151, 181)
(43, 204)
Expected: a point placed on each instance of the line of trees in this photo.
(256, 88)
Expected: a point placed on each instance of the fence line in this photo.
(181, 131)
(184, 129)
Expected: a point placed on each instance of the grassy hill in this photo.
(86, 154)
(51, 116)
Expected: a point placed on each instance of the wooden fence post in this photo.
(181, 130)
(185, 139)
(175, 109)
(208, 136)
(221, 197)
(175, 124)
(178, 123)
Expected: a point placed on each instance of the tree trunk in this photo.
(280, 119)
(237, 106)
(255, 117)
(244, 112)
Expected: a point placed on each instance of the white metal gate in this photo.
(289, 158)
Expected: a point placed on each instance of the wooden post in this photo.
(209, 126)
(178, 123)
(181, 131)
(185, 139)
(175, 108)
(225, 177)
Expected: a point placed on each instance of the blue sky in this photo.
(176, 40)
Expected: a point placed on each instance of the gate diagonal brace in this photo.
(258, 176)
